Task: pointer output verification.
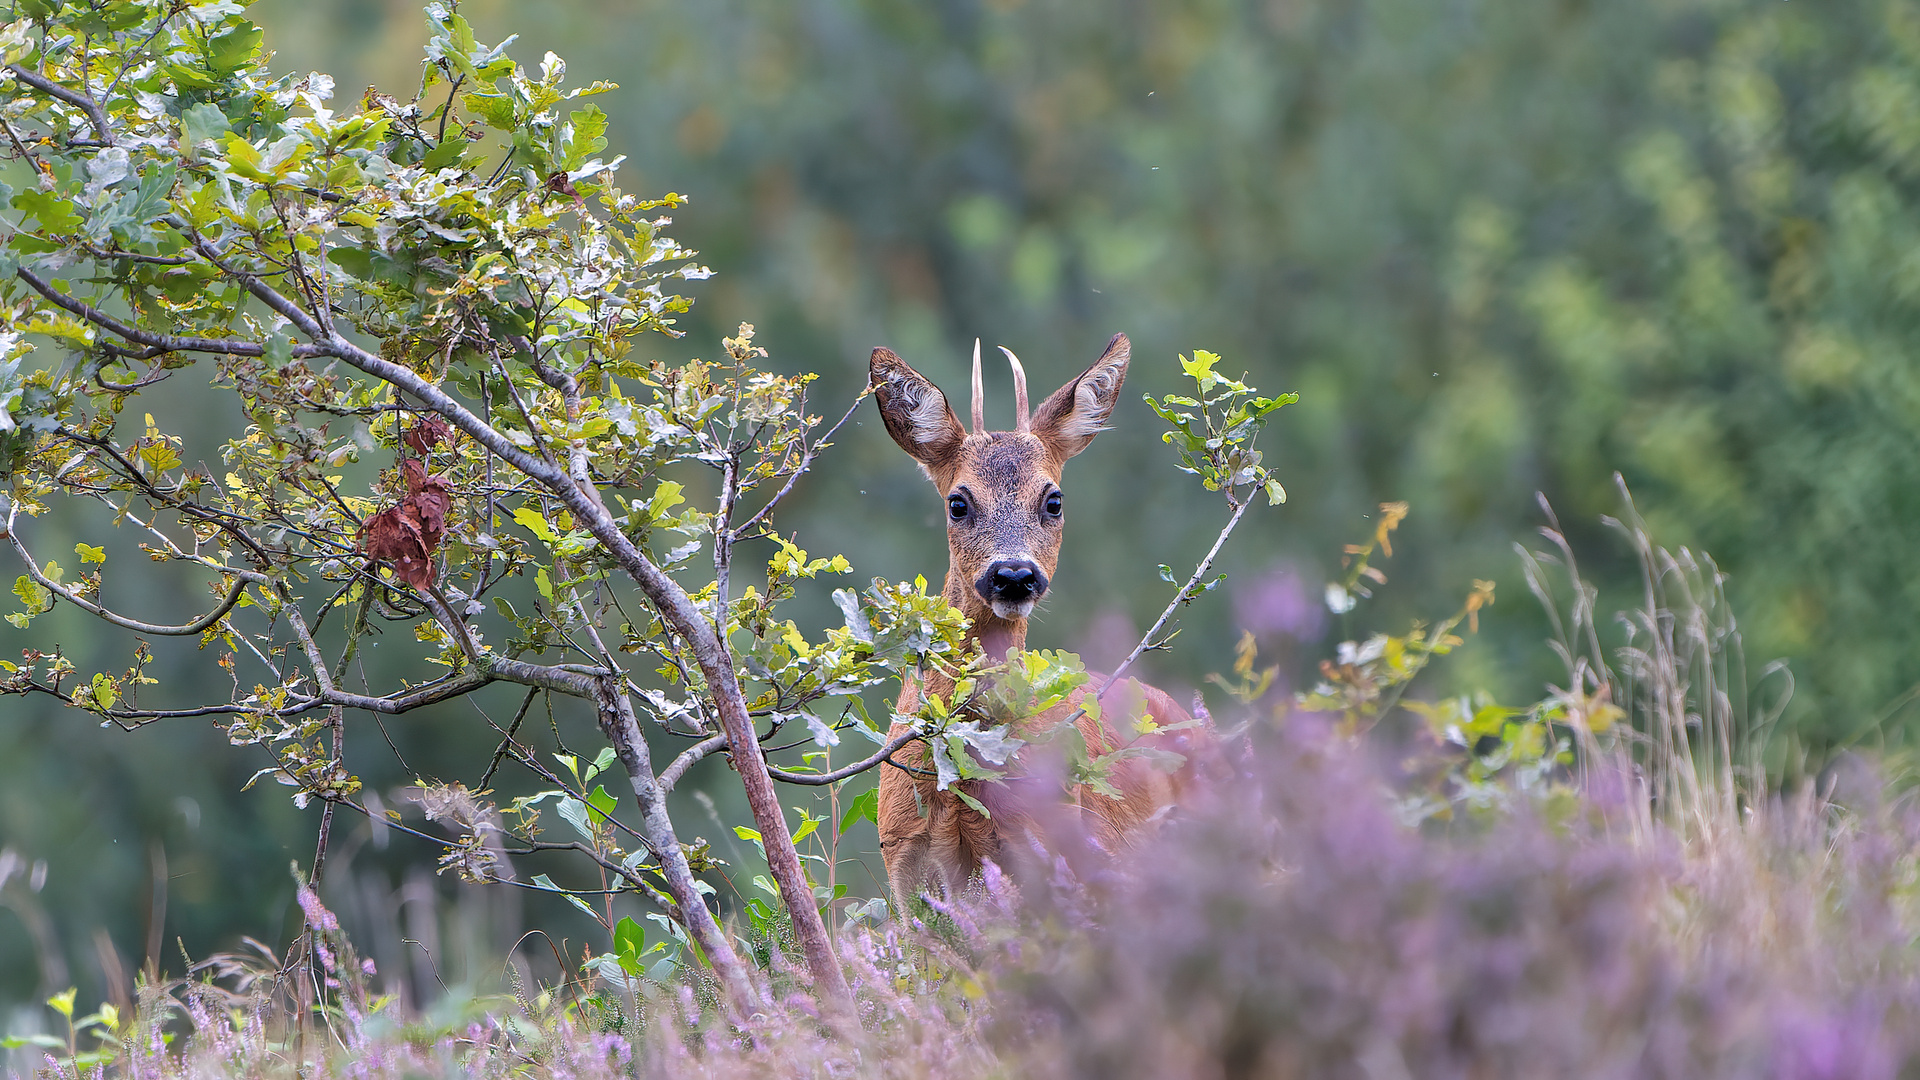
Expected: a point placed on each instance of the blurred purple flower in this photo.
(1818, 1045)
(1107, 639)
(1277, 602)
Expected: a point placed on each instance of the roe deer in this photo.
(1004, 518)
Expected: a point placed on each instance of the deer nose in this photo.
(1013, 581)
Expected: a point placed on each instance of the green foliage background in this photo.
(1498, 246)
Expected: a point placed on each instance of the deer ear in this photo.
(1072, 415)
(915, 411)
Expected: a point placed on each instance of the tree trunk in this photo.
(623, 732)
(684, 618)
(782, 859)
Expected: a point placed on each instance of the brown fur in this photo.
(930, 838)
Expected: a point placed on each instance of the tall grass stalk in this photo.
(1674, 718)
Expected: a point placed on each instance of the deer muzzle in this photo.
(1010, 587)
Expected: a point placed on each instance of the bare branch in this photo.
(617, 722)
(241, 579)
(506, 741)
(321, 673)
(659, 898)
(1186, 592)
(78, 100)
(884, 756)
(129, 719)
(431, 694)
(690, 757)
(99, 252)
(161, 342)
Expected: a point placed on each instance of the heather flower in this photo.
(318, 916)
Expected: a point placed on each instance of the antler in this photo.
(979, 394)
(1021, 420)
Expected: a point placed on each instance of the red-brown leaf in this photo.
(406, 535)
(430, 432)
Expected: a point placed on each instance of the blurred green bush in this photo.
(1499, 246)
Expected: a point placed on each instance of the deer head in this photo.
(1004, 504)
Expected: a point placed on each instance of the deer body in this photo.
(1004, 522)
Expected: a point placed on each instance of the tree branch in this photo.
(660, 899)
(883, 756)
(506, 741)
(676, 608)
(398, 375)
(162, 342)
(690, 757)
(617, 722)
(241, 579)
(806, 462)
(1200, 571)
(78, 100)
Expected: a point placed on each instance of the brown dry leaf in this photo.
(406, 535)
(433, 497)
(430, 432)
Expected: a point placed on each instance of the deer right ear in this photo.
(1072, 415)
(915, 411)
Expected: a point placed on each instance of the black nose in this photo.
(1013, 581)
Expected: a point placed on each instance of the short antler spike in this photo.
(1021, 421)
(979, 394)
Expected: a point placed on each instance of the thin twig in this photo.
(336, 721)
(500, 754)
(163, 342)
(241, 579)
(1186, 592)
(806, 461)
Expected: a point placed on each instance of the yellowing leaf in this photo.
(665, 497)
(535, 523)
(1200, 368)
(159, 455)
(795, 642)
(32, 594)
(105, 693)
(90, 554)
(1601, 717)
(243, 158)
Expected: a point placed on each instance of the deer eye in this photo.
(956, 506)
(1052, 505)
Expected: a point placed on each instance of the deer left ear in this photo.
(915, 411)
(1072, 415)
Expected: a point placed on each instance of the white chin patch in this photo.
(1011, 612)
